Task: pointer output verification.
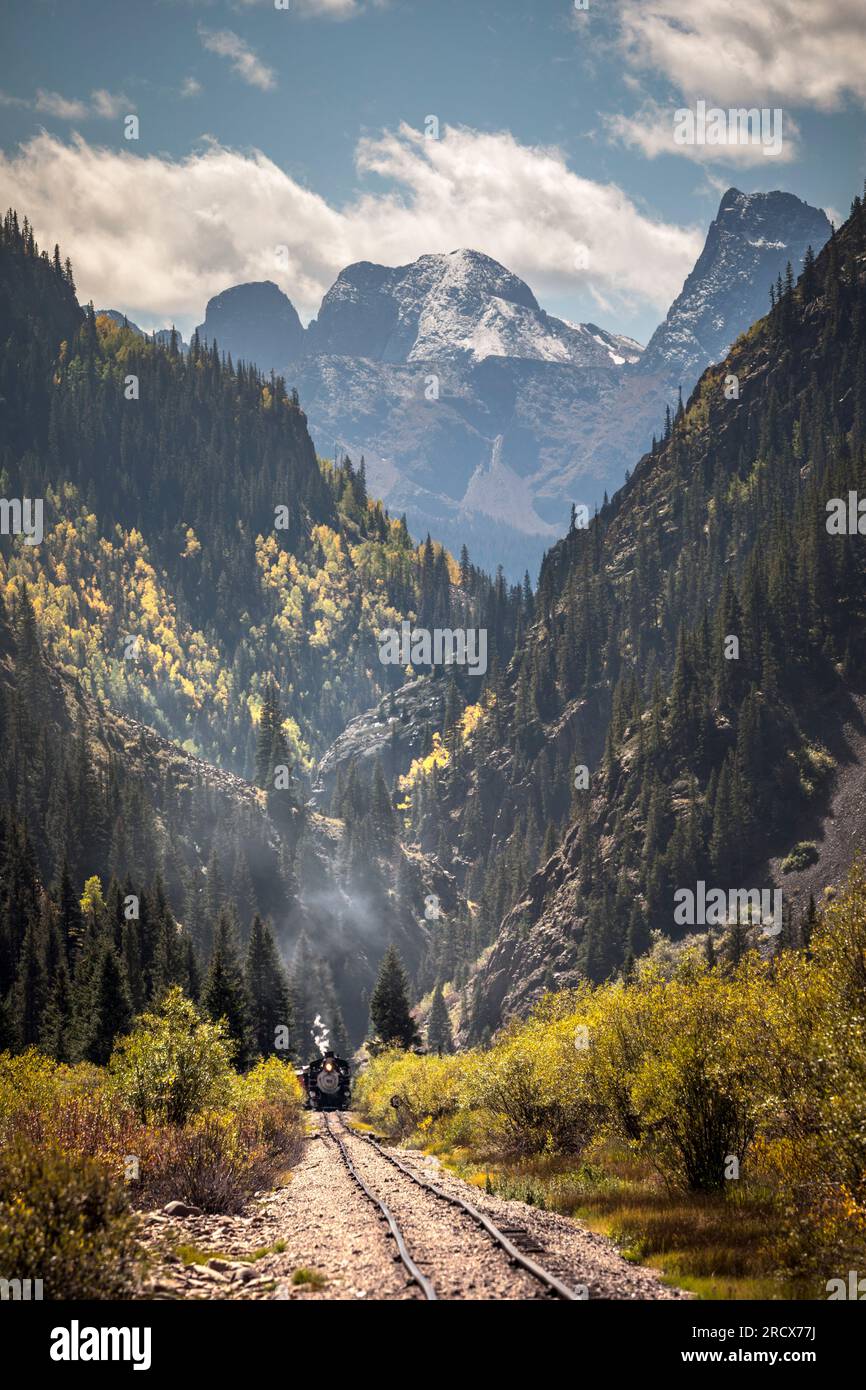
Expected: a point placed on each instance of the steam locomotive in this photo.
(326, 1083)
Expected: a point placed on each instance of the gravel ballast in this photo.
(334, 1244)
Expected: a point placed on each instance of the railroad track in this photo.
(551, 1283)
(412, 1269)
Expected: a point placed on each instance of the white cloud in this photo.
(799, 53)
(157, 237)
(53, 104)
(244, 61)
(103, 104)
(331, 9)
(524, 206)
(651, 130)
(190, 87)
(109, 105)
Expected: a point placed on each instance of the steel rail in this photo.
(532, 1267)
(414, 1272)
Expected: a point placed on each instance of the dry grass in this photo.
(719, 1247)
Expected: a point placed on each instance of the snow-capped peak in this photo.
(462, 305)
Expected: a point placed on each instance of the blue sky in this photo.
(303, 129)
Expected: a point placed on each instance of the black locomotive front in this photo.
(327, 1083)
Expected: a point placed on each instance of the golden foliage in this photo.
(714, 1078)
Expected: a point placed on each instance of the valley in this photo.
(432, 679)
(276, 772)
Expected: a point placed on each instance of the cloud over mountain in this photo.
(158, 237)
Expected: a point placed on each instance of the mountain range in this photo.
(480, 416)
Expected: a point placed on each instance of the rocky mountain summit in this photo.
(748, 244)
(461, 307)
(255, 323)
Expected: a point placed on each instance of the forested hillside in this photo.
(204, 588)
(703, 756)
(195, 549)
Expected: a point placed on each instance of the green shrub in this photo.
(27, 1082)
(532, 1090)
(800, 857)
(65, 1219)
(427, 1090)
(679, 1066)
(269, 1097)
(173, 1065)
(221, 1157)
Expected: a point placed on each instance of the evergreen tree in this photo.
(267, 989)
(391, 1022)
(30, 992)
(224, 994)
(57, 1019)
(809, 923)
(306, 995)
(439, 1036)
(110, 1008)
(339, 1036)
(736, 941)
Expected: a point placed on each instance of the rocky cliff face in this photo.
(393, 731)
(748, 245)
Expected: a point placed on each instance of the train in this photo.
(327, 1083)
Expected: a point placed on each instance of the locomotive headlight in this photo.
(329, 1066)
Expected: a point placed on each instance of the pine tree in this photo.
(110, 1007)
(809, 923)
(439, 1036)
(267, 989)
(338, 1032)
(70, 915)
(273, 768)
(391, 1022)
(264, 774)
(736, 941)
(29, 995)
(382, 812)
(57, 1019)
(551, 841)
(306, 992)
(723, 841)
(638, 938)
(224, 994)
